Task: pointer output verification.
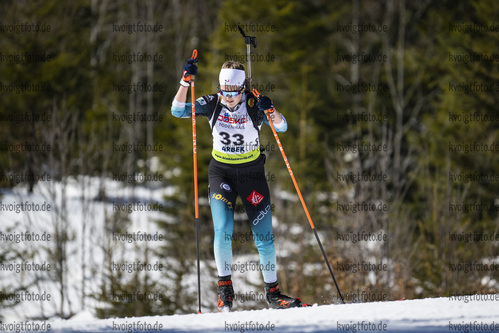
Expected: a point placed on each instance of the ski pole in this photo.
(196, 202)
(268, 112)
(249, 40)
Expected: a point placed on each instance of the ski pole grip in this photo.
(257, 96)
(249, 40)
(194, 54)
(256, 93)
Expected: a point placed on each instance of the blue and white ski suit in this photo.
(237, 168)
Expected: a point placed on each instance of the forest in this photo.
(392, 110)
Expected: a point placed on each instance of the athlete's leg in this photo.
(222, 201)
(255, 195)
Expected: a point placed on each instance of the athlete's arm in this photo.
(181, 109)
(277, 118)
(280, 123)
(181, 95)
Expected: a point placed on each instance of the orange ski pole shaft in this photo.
(267, 113)
(257, 95)
(195, 163)
(194, 144)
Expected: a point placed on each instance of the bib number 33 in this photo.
(237, 139)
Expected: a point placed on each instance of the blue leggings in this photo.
(247, 180)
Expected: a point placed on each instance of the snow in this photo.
(82, 209)
(450, 314)
(426, 315)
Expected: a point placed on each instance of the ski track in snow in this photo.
(426, 315)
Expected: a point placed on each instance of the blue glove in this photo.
(189, 69)
(265, 104)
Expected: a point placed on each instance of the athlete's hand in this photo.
(189, 69)
(265, 104)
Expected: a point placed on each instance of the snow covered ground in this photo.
(427, 315)
(477, 313)
(83, 217)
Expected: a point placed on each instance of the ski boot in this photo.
(276, 300)
(225, 294)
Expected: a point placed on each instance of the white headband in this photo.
(231, 77)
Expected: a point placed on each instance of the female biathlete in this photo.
(237, 168)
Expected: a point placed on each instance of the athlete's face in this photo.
(231, 102)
